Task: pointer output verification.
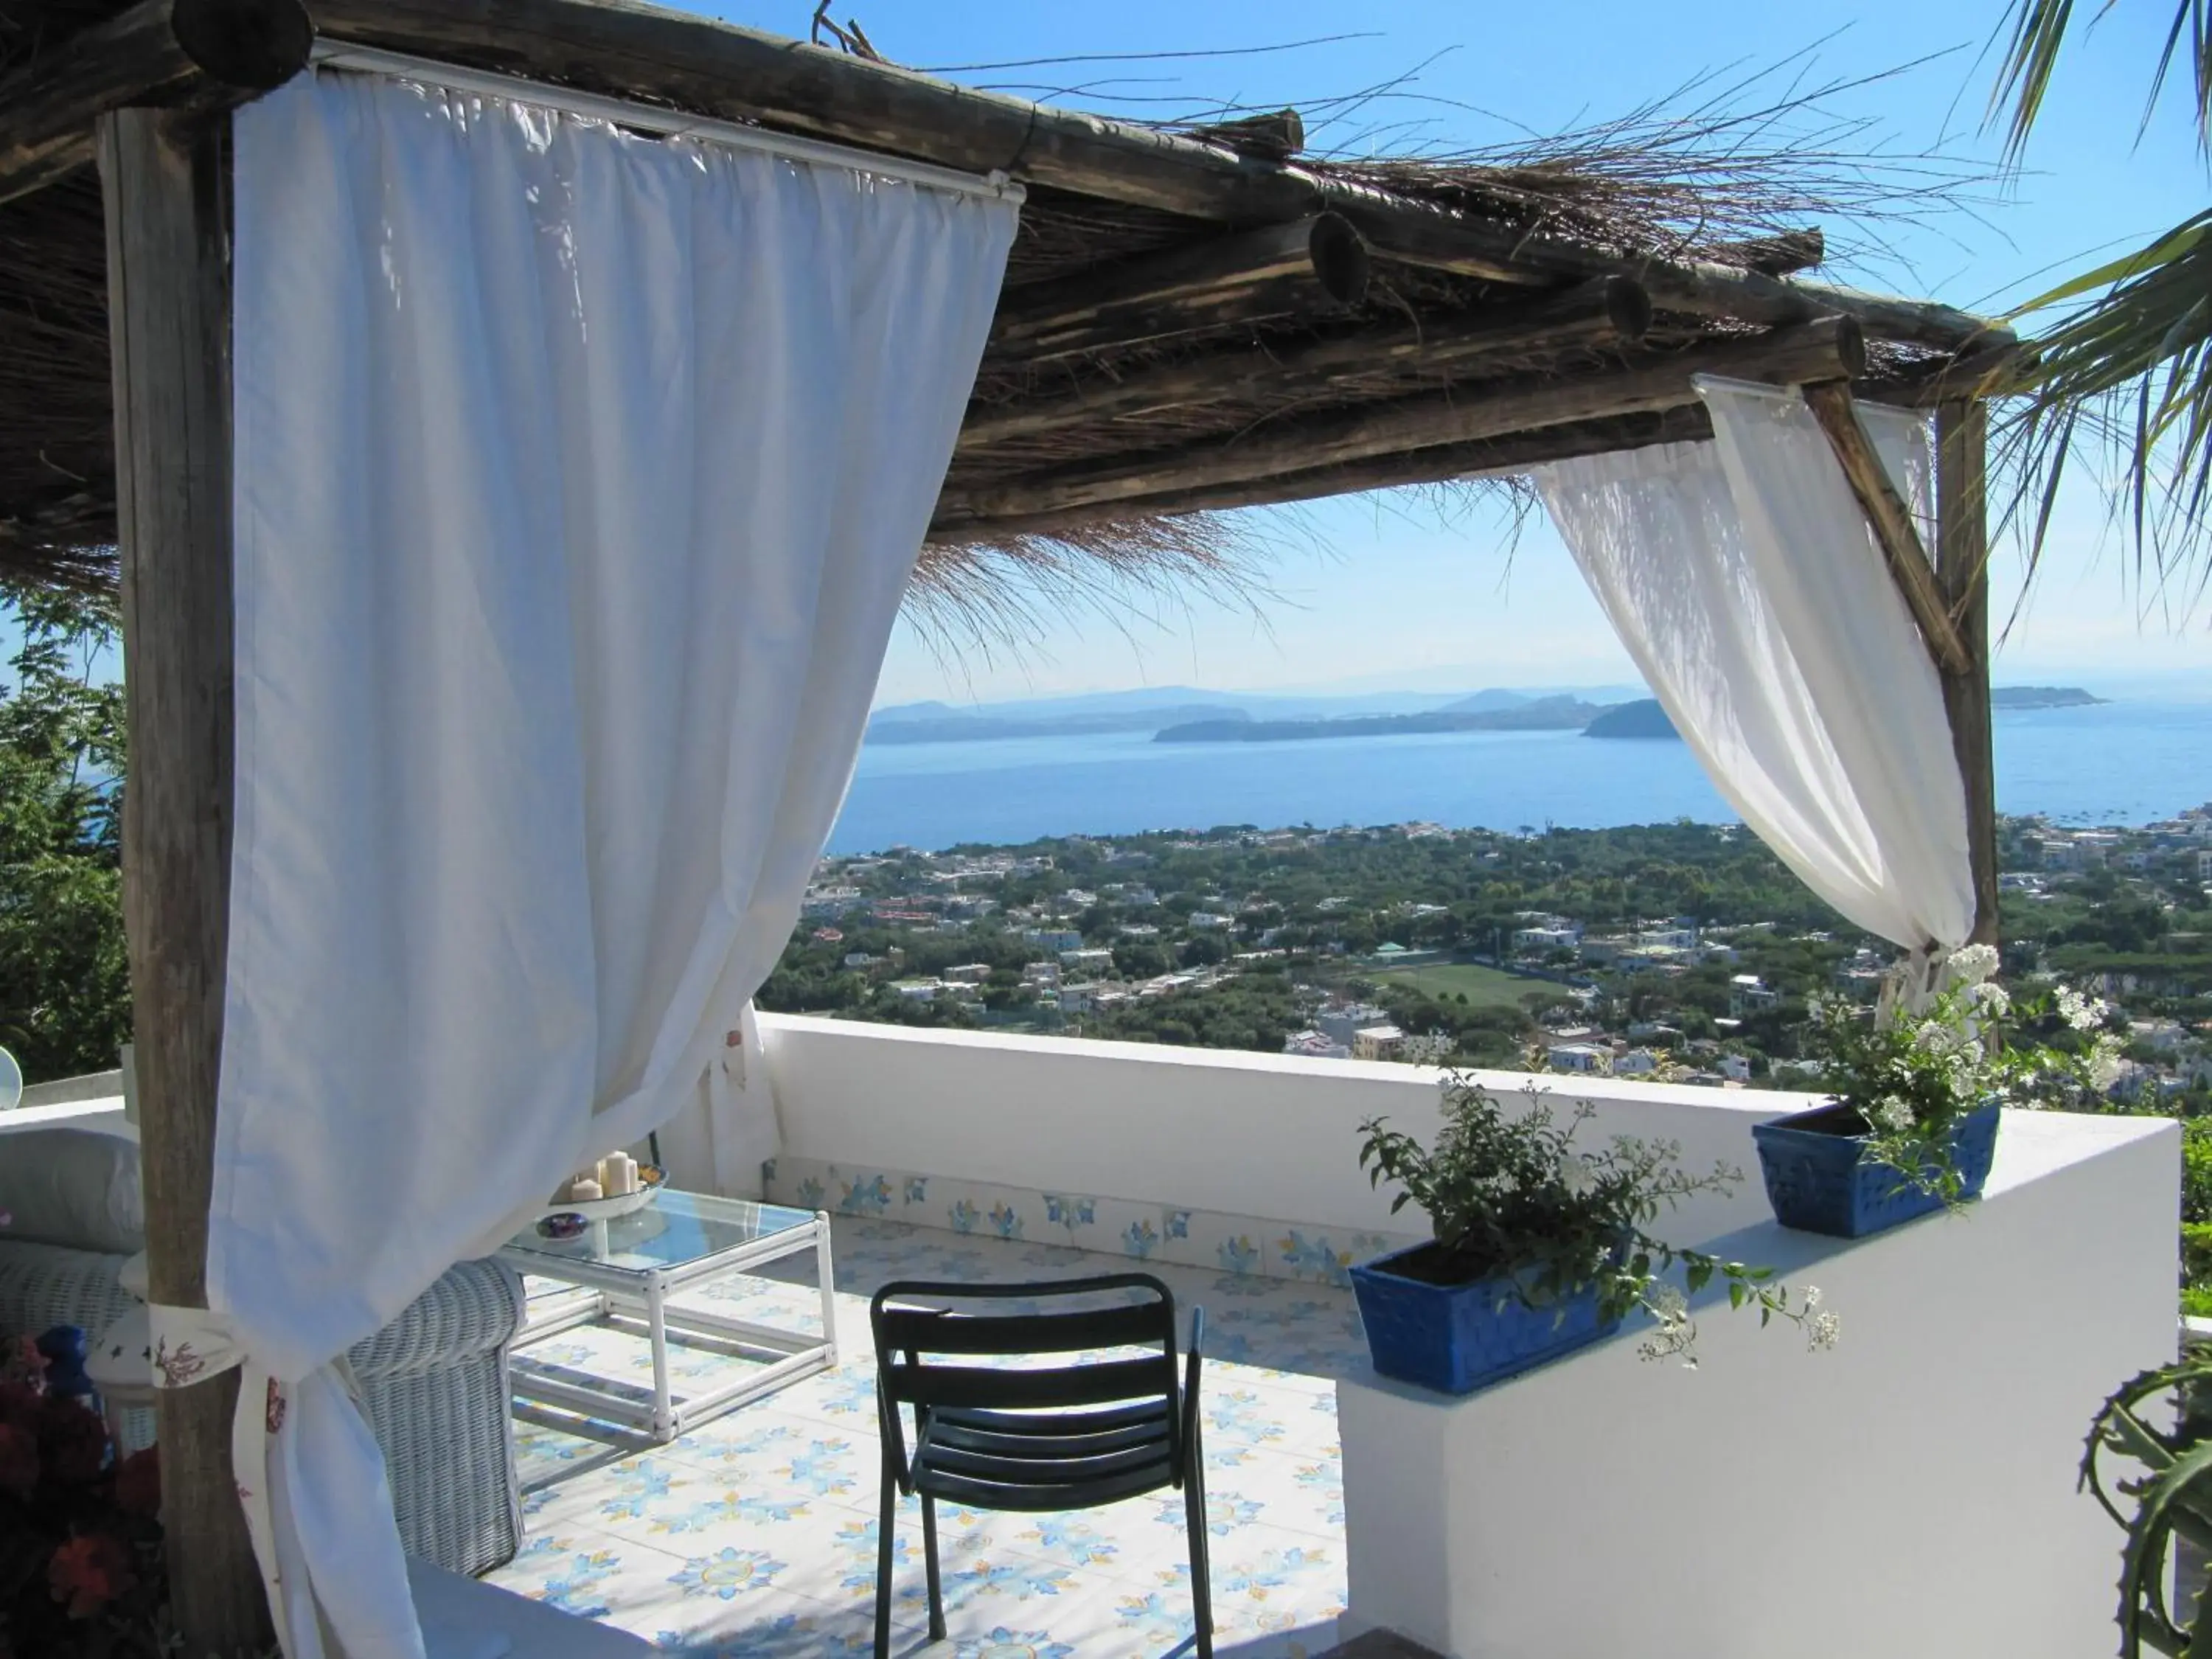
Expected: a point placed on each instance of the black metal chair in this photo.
(1069, 1435)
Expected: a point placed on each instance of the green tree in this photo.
(64, 975)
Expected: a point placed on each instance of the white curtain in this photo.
(1744, 581)
(578, 479)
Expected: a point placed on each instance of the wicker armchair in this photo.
(433, 1383)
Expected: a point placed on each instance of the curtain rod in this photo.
(665, 123)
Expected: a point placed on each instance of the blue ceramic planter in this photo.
(1458, 1338)
(1820, 1180)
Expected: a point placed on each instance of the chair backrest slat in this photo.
(1009, 1388)
(902, 1329)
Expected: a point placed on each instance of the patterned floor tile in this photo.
(754, 1536)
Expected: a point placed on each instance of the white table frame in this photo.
(604, 1293)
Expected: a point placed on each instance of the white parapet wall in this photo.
(1909, 1495)
(1208, 1129)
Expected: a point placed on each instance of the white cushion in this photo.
(74, 1187)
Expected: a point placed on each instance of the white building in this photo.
(968, 973)
(1209, 919)
(1636, 1062)
(1096, 960)
(1750, 994)
(917, 990)
(1586, 1058)
(1062, 939)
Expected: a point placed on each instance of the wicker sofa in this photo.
(434, 1382)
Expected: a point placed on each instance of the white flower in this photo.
(1667, 1303)
(1822, 1329)
(2082, 1013)
(1893, 1112)
(1677, 1336)
(1812, 1297)
(2106, 1068)
(1971, 965)
(1576, 1175)
(1991, 999)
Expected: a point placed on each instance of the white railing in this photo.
(1214, 1129)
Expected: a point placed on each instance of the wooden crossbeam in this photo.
(1317, 263)
(205, 53)
(1891, 521)
(1608, 313)
(1830, 349)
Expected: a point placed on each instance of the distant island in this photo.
(1539, 714)
(2041, 697)
(1643, 718)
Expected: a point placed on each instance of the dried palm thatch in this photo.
(1157, 350)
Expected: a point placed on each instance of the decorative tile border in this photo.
(1143, 1231)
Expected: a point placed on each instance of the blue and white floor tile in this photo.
(754, 1536)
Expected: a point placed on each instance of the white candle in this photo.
(621, 1170)
(601, 1174)
(583, 1189)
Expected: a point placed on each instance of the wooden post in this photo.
(1962, 431)
(167, 180)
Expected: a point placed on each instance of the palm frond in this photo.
(2038, 31)
(2123, 384)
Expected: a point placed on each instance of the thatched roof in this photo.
(1289, 327)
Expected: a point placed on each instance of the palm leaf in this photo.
(2039, 31)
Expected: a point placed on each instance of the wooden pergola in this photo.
(1193, 321)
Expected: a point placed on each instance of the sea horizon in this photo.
(2123, 762)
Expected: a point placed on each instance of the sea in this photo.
(2117, 762)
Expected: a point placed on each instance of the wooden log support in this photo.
(1891, 521)
(1830, 349)
(1962, 429)
(1442, 463)
(1317, 263)
(166, 181)
(1778, 255)
(716, 69)
(205, 53)
(1275, 136)
(1605, 313)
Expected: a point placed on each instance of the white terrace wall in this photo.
(1209, 1129)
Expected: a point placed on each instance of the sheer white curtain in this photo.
(1748, 589)
(579, 476)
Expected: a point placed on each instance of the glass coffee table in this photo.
(620, 1275)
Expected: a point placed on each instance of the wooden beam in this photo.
(1443, 463)
(1828, 349)
(206, 53)
(1473, 247)
(1315, 262)
(716, 69)
(1777, 255)
(1605, 313)
(1275, 136)
(166, 183)
(1891, 521)
(1962, 429)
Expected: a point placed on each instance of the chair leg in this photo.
(886, 1521)
(929, 1562)
(1201, 1567)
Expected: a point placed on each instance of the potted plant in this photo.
(1539, 1248)
(2163, 1502)
(1915, 1095)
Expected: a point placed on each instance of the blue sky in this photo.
(1379, 591)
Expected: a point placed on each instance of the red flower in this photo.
(19, 1460)
(72, 1440)
(19, 1403)
(138, 1484)
(89, 1571)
